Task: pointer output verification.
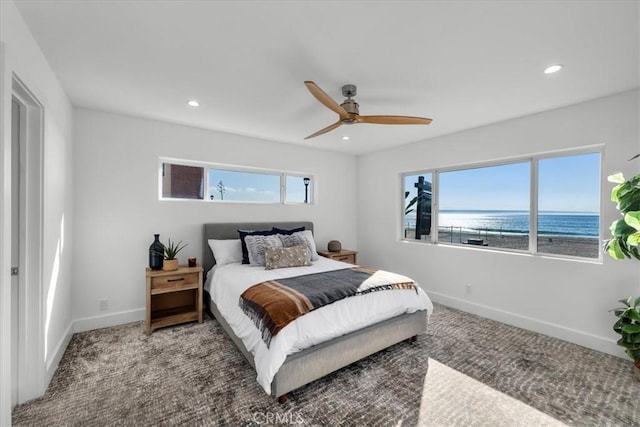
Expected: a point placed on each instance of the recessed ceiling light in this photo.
(193, 103)
(345, 138)
(553, 68)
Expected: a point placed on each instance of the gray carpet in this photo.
(193, 375)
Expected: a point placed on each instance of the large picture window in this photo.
(545, 205)
(486, 206)
(219, 183)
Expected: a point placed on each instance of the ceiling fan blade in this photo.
(325, 130)
(394, 120)
(325, 99)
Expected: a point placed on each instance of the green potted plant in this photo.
(171, 250)
(624, 241)
(628, 326)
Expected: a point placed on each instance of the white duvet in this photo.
(226, 283)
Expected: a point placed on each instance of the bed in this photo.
(299, 365)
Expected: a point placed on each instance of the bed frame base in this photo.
(315, 362)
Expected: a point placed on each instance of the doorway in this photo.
(27, 325)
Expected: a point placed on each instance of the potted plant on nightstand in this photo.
(171, 250)
(624, 241)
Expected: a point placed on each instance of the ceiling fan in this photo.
(348, 111)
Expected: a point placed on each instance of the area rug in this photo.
(486, 373)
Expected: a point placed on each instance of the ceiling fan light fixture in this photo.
(193, 103)
(345, 138)
(553, 68)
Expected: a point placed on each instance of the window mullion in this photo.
(533, 210)
(435, 206)
(283, 188)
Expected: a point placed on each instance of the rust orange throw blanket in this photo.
(274, 304)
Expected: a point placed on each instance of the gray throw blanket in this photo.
(272, 305)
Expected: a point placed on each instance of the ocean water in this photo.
(517, 222)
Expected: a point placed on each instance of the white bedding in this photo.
(226, 283)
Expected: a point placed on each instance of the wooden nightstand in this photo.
(173, 297)
(344, 255)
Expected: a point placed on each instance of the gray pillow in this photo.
(300, 238)
(294, 256)
(256, 246)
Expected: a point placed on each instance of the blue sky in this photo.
(566, 184)
(257, 187)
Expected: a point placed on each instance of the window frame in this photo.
(533, 160)
(207, 166)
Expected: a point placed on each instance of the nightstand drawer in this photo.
(174, 283)
(345, 255)
(345, 258)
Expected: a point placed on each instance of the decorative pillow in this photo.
(294, 256)
(245, 233)
(277, 230)
(300, 238)
(226, 251)
(256, 246)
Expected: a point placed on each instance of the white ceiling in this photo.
(463, 63)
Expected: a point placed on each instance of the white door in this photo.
(15, 245)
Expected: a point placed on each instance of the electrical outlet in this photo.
(467, 289)
(103, 304)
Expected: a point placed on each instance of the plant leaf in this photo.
(617, 178)
(634, 239)
(620, 229)
(614, 250)
(631, 329)
(625, 301)
(633, 219)
(629, 201)
(633, 314)
(614, 193)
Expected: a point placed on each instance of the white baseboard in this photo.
(584, 339)
(107, 320)
(54, 358)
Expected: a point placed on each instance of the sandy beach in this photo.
(588, 247)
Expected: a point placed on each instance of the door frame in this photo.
(32, 334)
(5, 244)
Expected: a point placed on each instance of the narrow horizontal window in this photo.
(186, 179)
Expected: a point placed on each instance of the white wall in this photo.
(117, 209)
(561, 298)
(23, 59)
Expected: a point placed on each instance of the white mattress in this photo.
(225, 284)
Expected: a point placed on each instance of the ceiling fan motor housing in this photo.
(351, 107)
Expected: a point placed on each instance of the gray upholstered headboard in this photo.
(229, 230)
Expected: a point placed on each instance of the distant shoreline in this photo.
(580, 246)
